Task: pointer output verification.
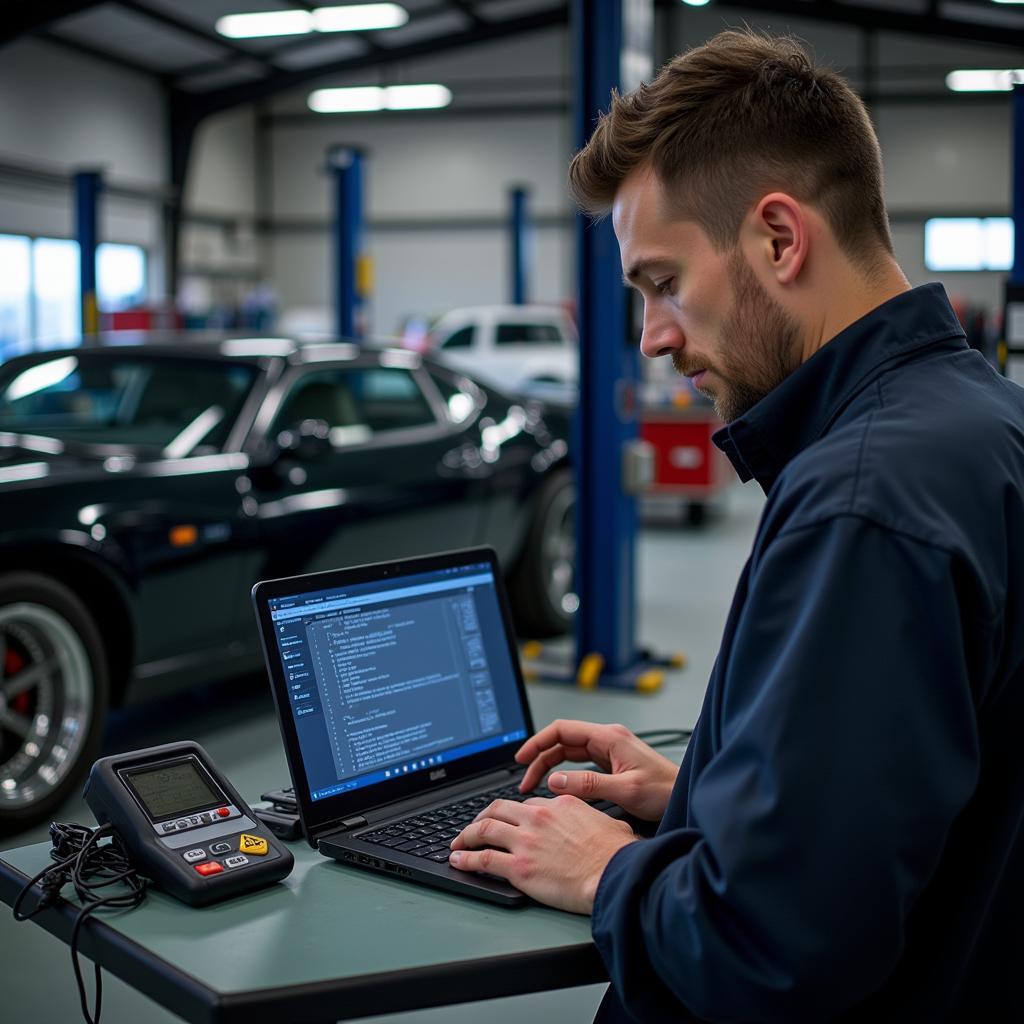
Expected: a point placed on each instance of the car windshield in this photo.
(178, 404)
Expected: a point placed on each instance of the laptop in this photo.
(401, 703)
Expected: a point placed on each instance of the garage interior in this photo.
(216, 184)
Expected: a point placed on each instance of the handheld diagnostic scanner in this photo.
(184, 824)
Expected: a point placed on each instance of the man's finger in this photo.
(510, 811)
(540, 766)
(587, 785)
(569, 732)
(485, 832)
(493, 862)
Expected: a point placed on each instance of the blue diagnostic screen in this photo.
(388, 679)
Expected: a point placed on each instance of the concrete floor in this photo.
(685, 583)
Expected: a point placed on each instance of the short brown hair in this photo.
(729, 121)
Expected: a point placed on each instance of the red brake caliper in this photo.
(13, 664)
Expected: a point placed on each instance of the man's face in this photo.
(706, 309)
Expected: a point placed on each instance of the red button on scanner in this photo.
(223, 812)
(209, 868)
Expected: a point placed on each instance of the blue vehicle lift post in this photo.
(605, 35)
(1012, 344)
(520, 231)
(350, 285)
(88, 185)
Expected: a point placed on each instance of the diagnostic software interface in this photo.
(388, 678)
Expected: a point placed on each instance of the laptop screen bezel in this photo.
(321, 815)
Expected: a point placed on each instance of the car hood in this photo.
(31, 457)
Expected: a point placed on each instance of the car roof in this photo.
(221, 345)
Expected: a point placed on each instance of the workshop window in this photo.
(40, 301)
(968, 243)
(15, 295)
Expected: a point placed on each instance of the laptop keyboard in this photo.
(429, 834)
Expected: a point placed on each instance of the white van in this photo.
(528, 349)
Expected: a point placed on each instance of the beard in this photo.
(759, 346)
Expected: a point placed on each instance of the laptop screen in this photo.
(391, 678)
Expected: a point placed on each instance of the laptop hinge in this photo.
(356, 821)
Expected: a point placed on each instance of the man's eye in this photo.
(666, 287)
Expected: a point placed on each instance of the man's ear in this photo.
(780, 234)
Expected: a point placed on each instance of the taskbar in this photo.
(410, 767)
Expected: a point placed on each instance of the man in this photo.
(845, 837)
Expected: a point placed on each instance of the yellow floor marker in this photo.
(589, 672)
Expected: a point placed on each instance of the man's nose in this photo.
(660, 336)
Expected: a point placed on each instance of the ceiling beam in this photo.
(87, 50)
(207, 103)
(190, 29)
(862, 16)
(26, 16)
(469, 10)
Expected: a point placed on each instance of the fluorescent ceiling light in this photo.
(359, 18)
(354, 18)
(375, 97)
(266, 23)
(980, 80)
(696, 3)
(1008, 1)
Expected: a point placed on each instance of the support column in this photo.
(1017, 274)
(1011, 349)
(520, 232)
(88, 185)
(612, 49)
(346, 165)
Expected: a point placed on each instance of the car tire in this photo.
(53, 697)
(541, 582)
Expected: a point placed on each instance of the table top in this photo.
(330, 942)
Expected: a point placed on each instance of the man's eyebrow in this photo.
(640, 268)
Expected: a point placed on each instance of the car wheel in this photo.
(542, 583)
(53, 696)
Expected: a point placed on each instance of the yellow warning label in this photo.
(252, 844)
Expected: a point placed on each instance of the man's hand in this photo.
(639, 779)
(554, 850)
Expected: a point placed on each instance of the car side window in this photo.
(390, 399)
(462, 338)
(527, 334)
(356, 403)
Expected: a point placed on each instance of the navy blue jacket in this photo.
(845, 840)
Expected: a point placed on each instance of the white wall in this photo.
(61, 108)
(66, 112)
(60, 111)
(434, 167)
(424, 169)
(221, 263)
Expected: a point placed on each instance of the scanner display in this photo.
(171, 790)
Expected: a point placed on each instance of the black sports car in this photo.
(145, 487)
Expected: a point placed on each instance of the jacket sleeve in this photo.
(845, 745)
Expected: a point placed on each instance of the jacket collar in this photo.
(801, 409)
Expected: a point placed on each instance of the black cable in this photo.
(664, 737)
(80, 859)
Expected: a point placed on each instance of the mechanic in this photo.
(845, 837)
